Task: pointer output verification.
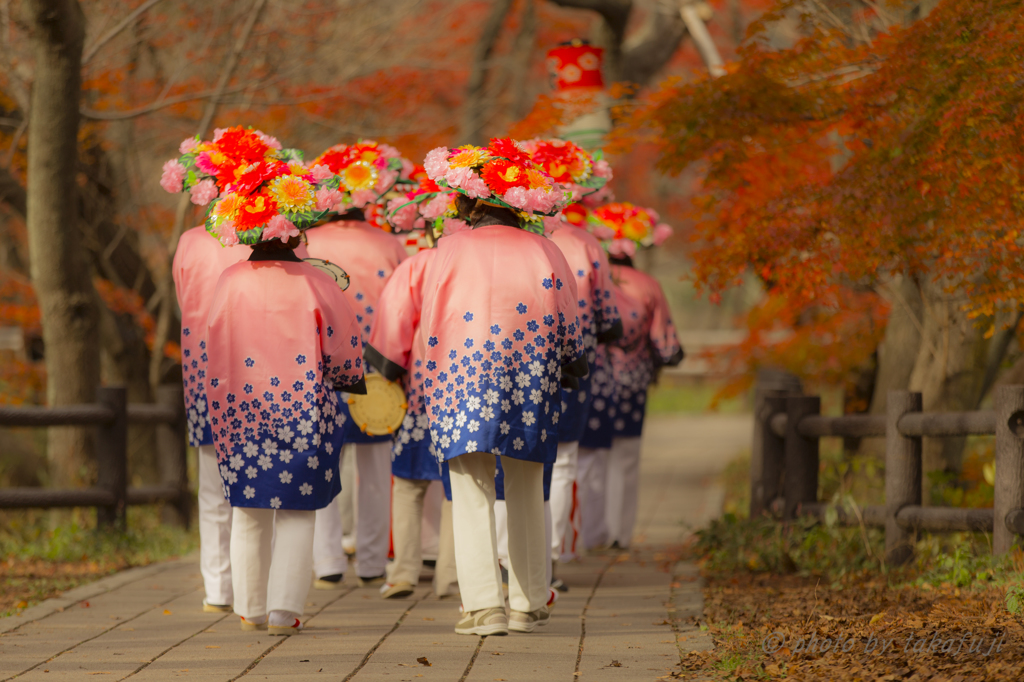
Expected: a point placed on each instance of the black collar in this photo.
(286, 255)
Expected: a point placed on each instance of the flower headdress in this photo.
(366, 170)
(256, 191)
(570, 165)
(427, 204)
(622, 227)
(501, 174)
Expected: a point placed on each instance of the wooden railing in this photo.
(784, 464)
(111, 415)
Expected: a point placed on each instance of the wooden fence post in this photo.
(902, 474)
(800, 483)
(172, 450)
(767, 453)
(1009, 484)
(112, 455)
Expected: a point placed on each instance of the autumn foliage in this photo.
(832, 165)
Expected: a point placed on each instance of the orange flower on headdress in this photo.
(501, 175)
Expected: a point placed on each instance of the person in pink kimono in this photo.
(599, 316)
(199, 261)
(502, 333)
(414, 461)
(282, 340)
(649, 343)
(369, 256)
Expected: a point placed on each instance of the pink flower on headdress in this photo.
(436, 163)
(321, 172)
(403, 219)
(385, 181)
(603, 232)
(204, 164)
(453, 225)
(362, 197)
(187, 145)
(388, 152)
(516, 196)
(281, 228)
(654, 215)
(407, 168)
(226, 233)
(540, 201)
(456, 176)
(327, 198)
(605, 195)
(622, 247)
(268, 140)
(552, 223)
(436, 206)
(603, 169)
(203, 192)
(661, 233)
(218, 133)
(173, 176)
(475, 186)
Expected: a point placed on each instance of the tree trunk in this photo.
(59, 267)
(949, 371)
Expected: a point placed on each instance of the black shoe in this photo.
(372, 581)
(504, 576)
(559, 585)
(616, 545)
(430, 563)
(330, 582)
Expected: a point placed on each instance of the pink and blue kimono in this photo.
(598, 315)
(198, 263)
(649, 341)
(502, 332)
(281, 340)
(369, 256)
(396, 350)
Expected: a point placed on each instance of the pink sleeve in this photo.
(663, 332)
(178, 268)
(340, 340)
(398, 315)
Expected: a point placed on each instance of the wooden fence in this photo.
(784, 465)
(111, 414)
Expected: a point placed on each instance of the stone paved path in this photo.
(626, 616)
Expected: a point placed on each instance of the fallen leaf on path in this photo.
(212, 646)
(85, 605)
(497, 653)
(422, 660)
(167, 612)
(428, 619)
(21, 605)
(614, 664)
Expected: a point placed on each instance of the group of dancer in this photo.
(494, 285)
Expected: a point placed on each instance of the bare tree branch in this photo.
(94, 48)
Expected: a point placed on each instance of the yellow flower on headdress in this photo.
(537, 179)
(358, 176)
(227, 207)
(292, 194)
(468, 157)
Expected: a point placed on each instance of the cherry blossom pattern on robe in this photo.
(501, 327)
(369, 256)
(649, 341)
(282, 339)
(396, 350)
(598, 315)
(198, 263)
(599, 428)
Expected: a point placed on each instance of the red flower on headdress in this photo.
(241, 144)
(575, 214)
(501, 175)
(256, 174)
(255, 210)
(506, 148)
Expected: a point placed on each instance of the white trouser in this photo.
(214, 530)
(271, 559)
(347, 502)
(591, 479)
(407, 507)
(431, 528)
(373, 502)
(476, 543)
(501, 531)
(562, 478)
(623, 489)
(329, 556)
